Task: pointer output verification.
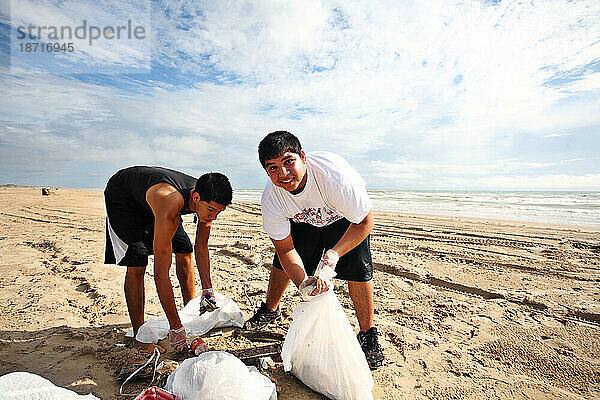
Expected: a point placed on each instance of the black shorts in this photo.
(311, 242)
(135, 227)
(137, 252)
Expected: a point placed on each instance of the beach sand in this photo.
(466, 308)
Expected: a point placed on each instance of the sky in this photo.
(416, 95)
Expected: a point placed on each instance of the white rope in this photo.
(155, 353)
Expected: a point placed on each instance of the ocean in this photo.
(572, 208)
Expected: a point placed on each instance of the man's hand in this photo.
(177, 339)
(209, 301)
(312, 286)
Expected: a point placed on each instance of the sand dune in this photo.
(466, 308)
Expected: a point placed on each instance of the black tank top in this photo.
(129, 186)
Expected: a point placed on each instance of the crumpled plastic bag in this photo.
(28, 386)
(218, 375)
(321, 350)
(228, 314)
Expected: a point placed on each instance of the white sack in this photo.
(321, 350)
(27, 386)
(228, 314)
(218, 375)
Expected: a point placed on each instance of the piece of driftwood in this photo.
(259, 336)
(252, 354)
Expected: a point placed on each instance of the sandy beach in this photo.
(466, 308)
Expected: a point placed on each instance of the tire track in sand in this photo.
(569, 313)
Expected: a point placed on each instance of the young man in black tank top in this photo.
(144, 207)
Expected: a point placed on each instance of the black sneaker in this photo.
(262, 317)
(370, 346)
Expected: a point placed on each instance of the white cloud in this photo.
(413, 170)
(527, 183)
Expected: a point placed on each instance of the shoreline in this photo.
(533, 221)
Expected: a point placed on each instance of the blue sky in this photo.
(435, 94)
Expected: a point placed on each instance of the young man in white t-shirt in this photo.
(316, 210)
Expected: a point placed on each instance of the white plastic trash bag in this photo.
(228, 314)
(27, 386)
(321, 350)
(218, 375)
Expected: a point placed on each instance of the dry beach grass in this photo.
(466, 308)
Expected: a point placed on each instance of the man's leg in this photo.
(135, 298)
(134, 295)
(184, 266)
(361, 294)
(269, 311)
(278, 282)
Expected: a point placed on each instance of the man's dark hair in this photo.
(214, 186)
(275, 144)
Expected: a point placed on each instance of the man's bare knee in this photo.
(135, 273)
(184, 266)
(361, 294)
(184, 259)
(278, 282)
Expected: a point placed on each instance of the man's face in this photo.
(288, 171)
(207, 212)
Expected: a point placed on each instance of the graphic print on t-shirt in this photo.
(316, 216)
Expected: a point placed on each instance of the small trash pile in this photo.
(211, 375)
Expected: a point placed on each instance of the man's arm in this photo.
(354, 235)
(292, 265)
(201, 253)
(165, 202)
(290, 259)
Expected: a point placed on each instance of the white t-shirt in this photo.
(334, 190)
